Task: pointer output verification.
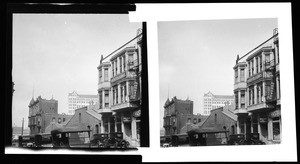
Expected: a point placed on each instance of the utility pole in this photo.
(22, 126)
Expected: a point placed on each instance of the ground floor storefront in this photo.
(127, 122)
(265, 122)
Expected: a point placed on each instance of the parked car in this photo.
(253, 139)
(43, 140)
(236, 139)
(99, 140)
(180, 140)
(71, 137)
(26, 141)
(165, 141)
(116, 140)
(208, 137)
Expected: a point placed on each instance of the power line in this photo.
(122, 46)
(258, 46)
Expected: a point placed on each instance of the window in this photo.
(189, 120)
(120, 59)
(242, 99)
(121, 91)
(276, 128)
(252, 95)
(105, 74)
(267, 58)
(116, 95)
(130, 58)
(106, 98)
(242, 75)
(260, 63)
(64, 119)
(256, 59)
(236, 75)
(199, 120)
(100, 75)
(124, 64)
(113, 69)
(259, 93)
(252, 66)
(59, 120)
(195, 120)
(116, 66)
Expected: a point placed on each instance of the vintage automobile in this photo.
(208, 137)
(43, 140)
(236, 139)
(99, 140)
(179, 140)
(253, 139)
(26, 141)
(165, 141)
(115, 140)
(71, 137)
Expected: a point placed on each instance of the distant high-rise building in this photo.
(211, 101)
(76, 101)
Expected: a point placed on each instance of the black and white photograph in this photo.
(149, 82)
(219, 82)
(76, 81)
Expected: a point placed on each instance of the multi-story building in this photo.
(177, 114)
(119, 90)
(257, 91)
(42, 112)
(76, 101)
(211, 101)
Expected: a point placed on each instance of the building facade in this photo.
(76, 101)
(41, 113)
(211, 101)
(178, 114)
(257, 91)
(119, 90)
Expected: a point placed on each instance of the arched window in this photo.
(88, 127)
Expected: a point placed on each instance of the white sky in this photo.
(198, 56)
(58, 53)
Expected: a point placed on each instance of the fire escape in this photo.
(270, 68)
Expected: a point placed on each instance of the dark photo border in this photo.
(67, 8)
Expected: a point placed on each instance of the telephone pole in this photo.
(22, 126)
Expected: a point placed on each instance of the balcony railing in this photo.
(259, 106)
